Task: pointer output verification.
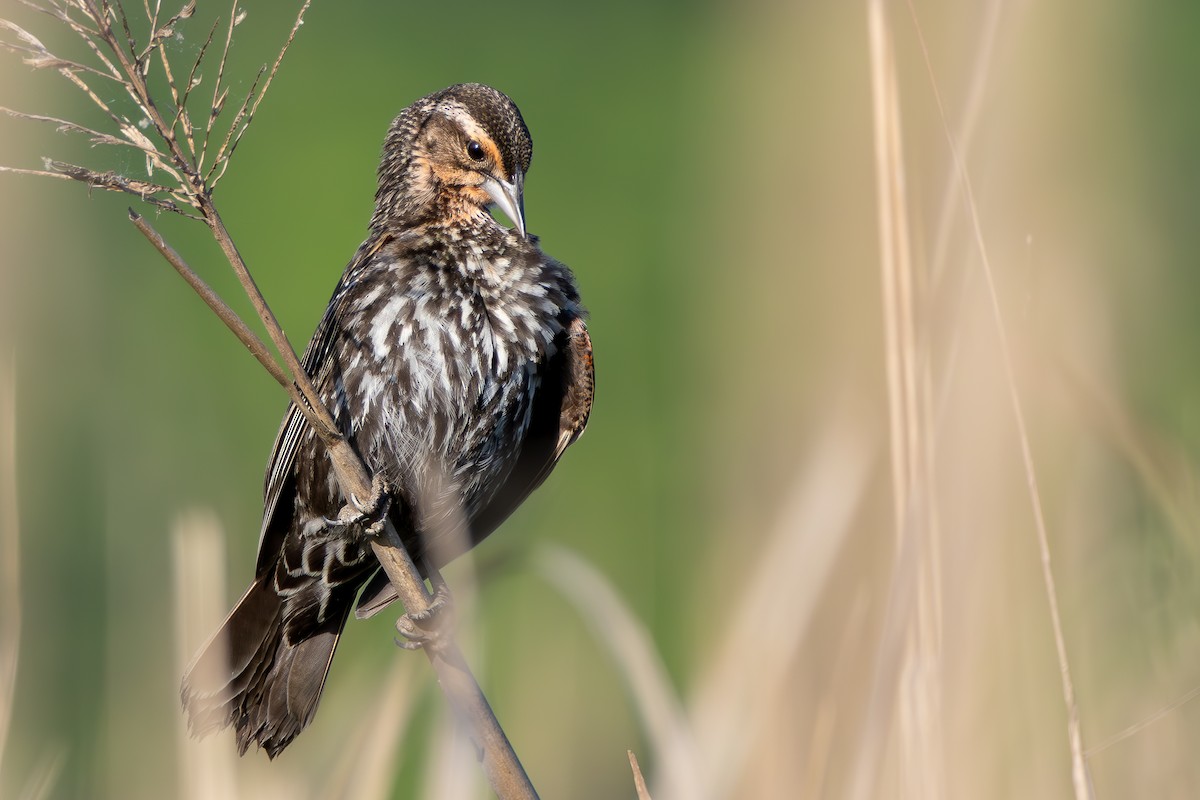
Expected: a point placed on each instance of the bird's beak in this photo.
(510, 197)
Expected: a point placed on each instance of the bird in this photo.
(455, 358)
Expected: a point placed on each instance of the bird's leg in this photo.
(432, 628)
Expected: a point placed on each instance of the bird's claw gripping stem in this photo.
(431, 629)
(369, 514)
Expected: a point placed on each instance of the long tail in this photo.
(250, 676)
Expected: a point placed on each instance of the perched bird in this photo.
(454, 356)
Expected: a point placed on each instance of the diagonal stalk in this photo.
(227, 315)
(500, 762)
(321, 419)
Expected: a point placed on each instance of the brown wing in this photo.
(560, 413)
(279, 490)
(579, 387)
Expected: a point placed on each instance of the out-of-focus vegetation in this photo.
(708, 171)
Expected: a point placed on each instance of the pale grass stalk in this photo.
(218, 96)
(891, 653)
(450, 773)
(639, 782)
(1141, 725)
(227, 315)
(653, 697)
(206, 766)
(908, 379)
(1080, 777)
(366, 769)
(828, 715)
(10, 549)
(823, 726)
(887, 197)
(778, 602)
(967, 125)
(64, 126)
(37, 173)
(182, 117)
(160, 34)
(44, 776)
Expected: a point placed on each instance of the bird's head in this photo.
(450, 155)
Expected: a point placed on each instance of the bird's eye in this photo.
(475, 150)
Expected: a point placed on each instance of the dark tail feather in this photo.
(248, 676)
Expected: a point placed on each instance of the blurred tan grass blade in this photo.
(639, 782)
(968, 124)
(906, 331)
(1144, 723)
(1080, 777)
(41, 780)
(639, 665)
(450, 773)
(10, 549)
(367, 767)
(207, 765)
(774, 606)
(891, 653)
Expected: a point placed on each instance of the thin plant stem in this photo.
(1142, 724)
(638, 781)
(1080, 777)
(10, 548)
(907, 363)
(321, 419)
(256, 346)
(224, 156)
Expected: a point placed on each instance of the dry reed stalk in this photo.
(653, 697)
(10, 549)
(366, 769)
(704, 753)
(449, 773)
(968, 123)
(1080, 777)
(198, 544)
(776, 609)
(44, 776)
(907, 356)
(638, 781)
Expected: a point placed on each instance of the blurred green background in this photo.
(707, 171)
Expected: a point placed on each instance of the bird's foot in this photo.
(370, 514)
(358, 519)
(431, 629)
